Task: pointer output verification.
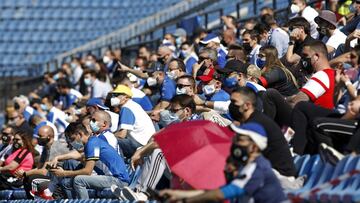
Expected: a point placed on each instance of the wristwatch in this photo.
(291, 43)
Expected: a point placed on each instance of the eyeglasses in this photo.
(12, 118)
(352, 56)
(261, 55)
(175, 110)
(180, 86)
(203, 58)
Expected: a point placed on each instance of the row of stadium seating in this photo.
(318, 173)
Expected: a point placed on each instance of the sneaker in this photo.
(116, 192)
(42, 195)
(329, 154)
(131, 195)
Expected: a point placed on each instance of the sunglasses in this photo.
(181, 86)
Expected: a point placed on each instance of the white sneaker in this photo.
(330, 154)
(129, 194)
(116, 191)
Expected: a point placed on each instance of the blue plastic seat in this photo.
(6, 194)
(19, 194)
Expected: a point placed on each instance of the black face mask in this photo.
(161, 60)
(16, 146)
(239, 154)
(235, 112)
(306, 65)
(247, 47)
(5, 139)
(16, 106)
(43, 141)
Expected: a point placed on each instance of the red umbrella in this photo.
(196, 151)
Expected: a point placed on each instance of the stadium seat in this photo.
(6, 194)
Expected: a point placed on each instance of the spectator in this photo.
(207, 61)
(20, 158)
(274, 73)
(300, 8)
(144, 52)
(327, 28)
(22, 104)
(54, 115)
(229, 38)
(266, 11)
(261, 184)
(180, 36)
(99, 89)
(95, 149)
(95, 104)
(100, 126)
(109, 60)
(7, 136)
(320, 88)
(135, 126)
(251, 45)
(189, 56)
(17, 120)
(213, 41)
(277, 36)
(77, 71)
(68, 96)
(236, 52)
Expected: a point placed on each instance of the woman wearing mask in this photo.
(21, 158)
(274, 74)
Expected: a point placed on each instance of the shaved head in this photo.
(103, 116)
(46, 131)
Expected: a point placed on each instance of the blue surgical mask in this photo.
(44, 107)
(94, 126)
(260, 63)
(167, 118)
(87, 81)
(178, 41)
(77, 145)
(56, 77)
(230, 82)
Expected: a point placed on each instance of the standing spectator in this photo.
(99, 89)
(300, 8)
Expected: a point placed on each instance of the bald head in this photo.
(102, 117)
(46, 131)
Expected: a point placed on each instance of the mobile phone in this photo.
(49, 167)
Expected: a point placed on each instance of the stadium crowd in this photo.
(283, 89)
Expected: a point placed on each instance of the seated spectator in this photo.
(99, 89)
(95, 149)
(251, 45)
(54, 115)
(135, 127)
(7, 136)
(95, 104)
(237, 52)
(68, 96)
(274, 73)
(188, 54)
(17, 120)
(261, 183)
(21, 158)
(22, 105)
(213, 41)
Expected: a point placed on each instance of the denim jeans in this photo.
(81, 182)
(128, 146)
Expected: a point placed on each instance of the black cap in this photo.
(234, 66)
(155, 66)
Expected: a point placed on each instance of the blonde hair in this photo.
(253, 71)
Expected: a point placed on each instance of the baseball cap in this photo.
(155, 66)
(122, 89)
(234, 66)
(210, 38)
(208, 75)
(96, 102)
(253, 130)
(180, 32)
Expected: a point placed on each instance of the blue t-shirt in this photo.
(222, 57)
(127, 117)
(221, 95)
(99, 150)
(168, 89)
(67, 100)
(28, 112)
(144, 102)
(256, 180)
(189, 65)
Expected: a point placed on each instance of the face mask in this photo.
(239, 153)
(73, 65)
(184, 53)
(43, 107)
(178, 41)
(247, 47)
(165, 41)
(69, 118)
(263, 42)
(322, 30)
(87, 81)
(230, 82)
(294, 9)
(235, 113)
(181, 91)
(5, 139)
(167, 117)
(151, 81)
(260, 63)
(89, 64)
(132, 77)
(43, 141)
(306, 63)
(16, 106)
(172, 74)
(56, 77)
(16, 146)
(114, 101)
(209, 89)
(77, 145)
(12, 123)
(94, 126)
(106, 59)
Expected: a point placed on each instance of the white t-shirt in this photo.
(309, 14)
(335, 40)
(114, 120)
(100, 89)
(138, 123)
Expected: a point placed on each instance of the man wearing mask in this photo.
(299, 29)
(320, 87)
(96, 104)
(37, 122)
(22, 105)
(52, 148)
(100, 123)
(207, 61)
(212, 86)
(54, 115)
(99, 89)
(7, 136)
(331, 36)
(213, 41)
(109, 60)
(180, 37)
(251, 45)
(188, 54)
(260, 182)
(299, 8)
(165, 54)
(242, 109)
(16, 119)
(68, 96)
(135, 126)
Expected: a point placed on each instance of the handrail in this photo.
(122, 35)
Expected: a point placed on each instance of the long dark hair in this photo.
(26, 138)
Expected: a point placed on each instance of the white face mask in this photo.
(209, 89)
(151, 81)
(165, 41)
(185, 53)
(106, 59)
(132, 77)
(172, 74)
(294, 9)
(114, 101)
(69, 118)
(181, 91)
(87, 81)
